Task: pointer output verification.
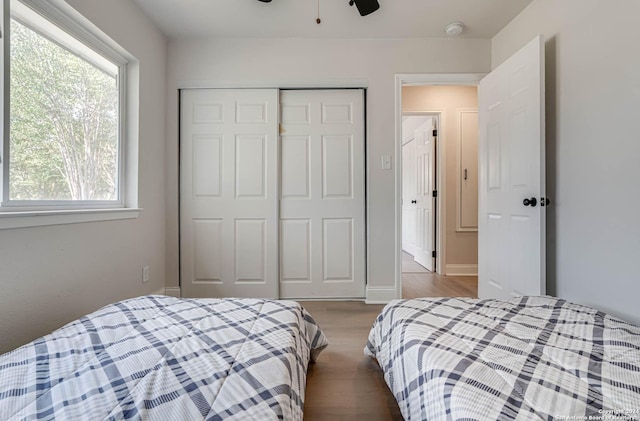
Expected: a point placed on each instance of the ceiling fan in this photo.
(365, 7)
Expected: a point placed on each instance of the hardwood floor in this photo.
(416, 285)
(430, 284)
(345, 384)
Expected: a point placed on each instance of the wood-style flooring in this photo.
(422, 283)
(345, 384)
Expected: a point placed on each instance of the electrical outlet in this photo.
(145, 274)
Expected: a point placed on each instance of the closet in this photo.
(272, 188)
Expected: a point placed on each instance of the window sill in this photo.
(9, 220)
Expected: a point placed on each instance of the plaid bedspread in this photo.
(166, 358)
(526, 358)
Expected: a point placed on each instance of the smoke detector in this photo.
(454, 29)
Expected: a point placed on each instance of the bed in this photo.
(157, 357)
(525, 358)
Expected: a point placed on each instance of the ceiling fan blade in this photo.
(366, 7)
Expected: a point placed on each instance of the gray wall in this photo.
(308, 62)
(52, 275)
(593, 150)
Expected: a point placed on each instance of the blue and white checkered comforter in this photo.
(166, 358)
(524, 358)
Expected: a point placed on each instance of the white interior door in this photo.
(511, 225)
(409, 193)
(425, 178)
(228, 193)
(322, 233)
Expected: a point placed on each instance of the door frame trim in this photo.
(423, 79)
(274, 84)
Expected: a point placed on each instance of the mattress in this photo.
(165, 358)
(528, 358)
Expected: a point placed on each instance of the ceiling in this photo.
(296, 18)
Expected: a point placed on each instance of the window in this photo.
(64, 134)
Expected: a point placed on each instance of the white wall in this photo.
(304, 62)
(593, 152)
(52, 275)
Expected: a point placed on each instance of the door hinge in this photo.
(433, 254)
(435, 132)
(434, 193)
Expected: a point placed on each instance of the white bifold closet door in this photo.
(322, 222)
(228, 193)
(263, 219)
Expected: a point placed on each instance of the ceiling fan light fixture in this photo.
(454, 29)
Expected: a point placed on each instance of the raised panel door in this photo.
(228, 193)
(322, 234)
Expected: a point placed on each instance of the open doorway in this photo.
(452, 108)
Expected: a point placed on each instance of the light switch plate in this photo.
(386, 162)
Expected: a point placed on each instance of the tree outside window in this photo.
(64, 124)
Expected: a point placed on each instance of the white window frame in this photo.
(78, 30)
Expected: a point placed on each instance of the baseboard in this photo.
(172, 291)
(380, 295)
(168, 291)
(461, 270)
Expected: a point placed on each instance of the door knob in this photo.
(530, 202)
(414, 201)
(544, 201)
